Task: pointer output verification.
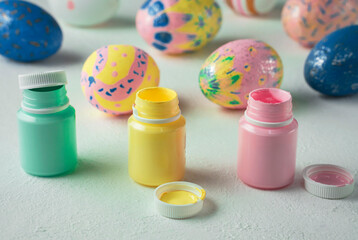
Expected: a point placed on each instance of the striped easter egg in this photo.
(112, 75)
(251, 7)
(308, 21)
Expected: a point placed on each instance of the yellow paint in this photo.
(179, 197)
(156, 151)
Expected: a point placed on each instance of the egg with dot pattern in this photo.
(178, 26)
(112, 75)
(308, 21)
(27, 32)
(232, 71)
(331, 68)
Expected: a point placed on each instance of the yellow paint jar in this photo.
(156, 152)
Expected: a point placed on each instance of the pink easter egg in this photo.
(178, 26)
(232, 71)
(308, 21)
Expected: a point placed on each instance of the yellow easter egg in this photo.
(112, 75)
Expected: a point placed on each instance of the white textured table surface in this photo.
(100, 201)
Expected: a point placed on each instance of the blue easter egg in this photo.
(27, 32)
(331, 67)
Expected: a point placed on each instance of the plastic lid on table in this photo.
(328, 181)
(179, 199)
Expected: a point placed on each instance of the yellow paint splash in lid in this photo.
(179, 199)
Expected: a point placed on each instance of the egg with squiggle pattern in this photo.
(232, 71)
(27, 32)
(178, 26)
(112, 75)
(308, 21)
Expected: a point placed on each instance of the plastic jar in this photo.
(267, 140)
(156, 138)
(47, 126)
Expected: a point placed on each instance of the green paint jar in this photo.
(47, 125)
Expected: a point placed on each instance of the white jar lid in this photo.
(44, 79)
(328, 181)
(174, 207)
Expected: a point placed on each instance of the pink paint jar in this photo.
(267, 140)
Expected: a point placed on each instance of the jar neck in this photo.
(156, 103)
(45, 100)
(269, 105)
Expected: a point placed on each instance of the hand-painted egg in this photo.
(251, 7)
(232, 71)
(27, 32)
(308, 21)
(178, 26)
(331, 67)
(84, 12)
(112, 75)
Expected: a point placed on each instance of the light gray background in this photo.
(100, 201)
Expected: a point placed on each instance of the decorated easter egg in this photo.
(112, 75)
(178, 26)
(309, 21)
(27, 32)
(84, 12)
(232, 71)
(331, 67)
(251, 7)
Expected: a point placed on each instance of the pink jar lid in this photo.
(328, 181)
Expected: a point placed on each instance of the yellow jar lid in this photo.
(179, 199)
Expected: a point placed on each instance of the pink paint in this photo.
(330, 178)
(113, 64)
(124, 55)
(267, 140)
(268, 96)
(70, 5)
(269, 105)
(330, 175)
(114, 74)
